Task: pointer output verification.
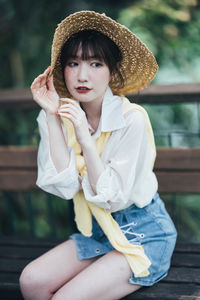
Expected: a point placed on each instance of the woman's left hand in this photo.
(72, 111)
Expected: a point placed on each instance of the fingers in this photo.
(68, 116)
(75, 111)
(68, 110)
(50, 84)
(47, 71)
(72, 111)
(71, 106)
(40, 81)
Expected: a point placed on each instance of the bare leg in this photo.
(45, 275)
(105, 279)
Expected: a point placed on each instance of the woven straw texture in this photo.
(138, 66)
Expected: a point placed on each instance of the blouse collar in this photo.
(112, 112)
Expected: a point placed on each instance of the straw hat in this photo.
(138, 63)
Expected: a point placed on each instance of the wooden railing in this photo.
(159, 94)
(177, 170)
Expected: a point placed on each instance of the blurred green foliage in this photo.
(35, 213)
(170, 28)
(184, 210)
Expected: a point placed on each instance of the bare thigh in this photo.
(56, 267)
(105, 279)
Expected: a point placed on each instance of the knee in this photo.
(30, 281)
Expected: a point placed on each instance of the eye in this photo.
(72, 64)
(96, 64)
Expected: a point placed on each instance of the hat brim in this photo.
(138, 65)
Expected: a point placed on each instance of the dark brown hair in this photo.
(96, 44)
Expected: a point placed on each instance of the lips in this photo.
(82, 89)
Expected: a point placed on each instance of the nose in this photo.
(83, 72)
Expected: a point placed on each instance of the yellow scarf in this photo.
(84, 209)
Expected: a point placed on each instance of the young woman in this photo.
(98, 148)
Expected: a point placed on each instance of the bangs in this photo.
(91, 48)
(90, 43)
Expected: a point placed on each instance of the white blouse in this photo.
(127, 178)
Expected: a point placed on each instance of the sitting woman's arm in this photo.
(57, 172)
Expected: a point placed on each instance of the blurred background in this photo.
(170, 28)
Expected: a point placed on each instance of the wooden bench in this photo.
(178, 171)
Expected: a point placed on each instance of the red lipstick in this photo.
(82, 89)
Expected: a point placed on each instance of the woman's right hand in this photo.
(44, 92)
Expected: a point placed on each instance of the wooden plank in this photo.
(25, 247)
(17, 252)
(18, 157)
(9, 277)
(14, 265)
(172, 89)
(183, 275)
(167, 158)
(177, 159)
(14, 252)
(48, 242)
(10, 292)
(159, 94)
(18, 180)
(168, 182)
(183, 247)
(30, 248)
(17, 99)
(29, 241)
(167, 291)
(160, 291)
(186, 260)
(169, 94)
(175, 182)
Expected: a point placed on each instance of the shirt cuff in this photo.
(106, 192)
(62, 179)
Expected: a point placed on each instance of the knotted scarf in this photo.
(138, 261)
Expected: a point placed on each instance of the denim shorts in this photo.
(150, 226)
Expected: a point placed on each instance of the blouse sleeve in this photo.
(128, 169)
(64, 184)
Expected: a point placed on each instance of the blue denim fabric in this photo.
(150, 226)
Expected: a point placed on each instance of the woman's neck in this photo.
(93, 113)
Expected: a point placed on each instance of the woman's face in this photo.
(86, 80)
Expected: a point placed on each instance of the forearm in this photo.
(93, 163)
(58, 147)
(72, 111)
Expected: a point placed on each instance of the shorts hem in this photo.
(80, 252)
(141, 281)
